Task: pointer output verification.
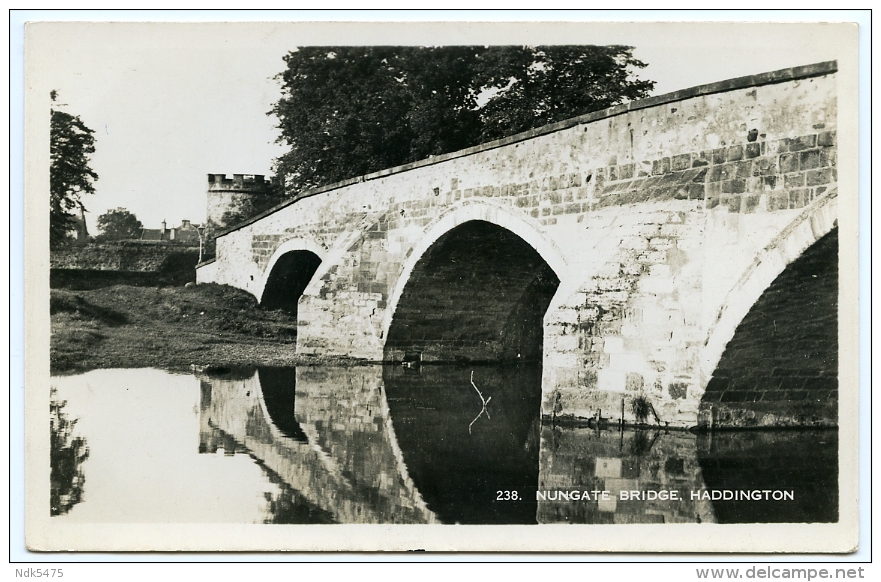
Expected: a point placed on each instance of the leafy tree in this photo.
(348, 111)
(119, 224)
(550, 84)
(70, 144)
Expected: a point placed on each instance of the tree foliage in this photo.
(70, 144)
(119, 224)
(349, 111)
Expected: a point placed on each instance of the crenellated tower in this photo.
(225, 194)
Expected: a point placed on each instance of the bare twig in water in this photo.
(482, 400)
(486, 401)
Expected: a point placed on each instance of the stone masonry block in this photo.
(700, 159)
(749, 203)
(809, 159)
(613, 344)
(552, 197)
(626, 362)
(826, 138)
(734, 153)
(781, 145)
(828, 157)
(680, 162)
(695, 191)
(735, 186)
(764, 167)
(797, 198)
(713, 188)
(818, 177)
(788, 163)
(802, 143)
(731, 201)
(778, 200)
(565, 343)
(741, 169)
(794, 180)
(611, 380)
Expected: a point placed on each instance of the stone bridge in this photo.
(625, 249)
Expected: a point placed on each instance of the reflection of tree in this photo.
(66, 458)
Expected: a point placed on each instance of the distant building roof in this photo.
(185, 233)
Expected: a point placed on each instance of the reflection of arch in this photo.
(277, 397)
(806, 229)
(476, 221)
(293, 245)
(455, 464)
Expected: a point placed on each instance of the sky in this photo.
(173, 102)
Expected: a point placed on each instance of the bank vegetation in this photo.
(173, 328)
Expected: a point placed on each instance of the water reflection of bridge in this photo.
(387, 445)
(334, 450)
(339, 449)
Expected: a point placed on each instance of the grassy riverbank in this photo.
(172, 328)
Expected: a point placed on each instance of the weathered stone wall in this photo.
(130, 257)
(99, 265)
(663, 220)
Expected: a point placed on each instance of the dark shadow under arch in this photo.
(289, 278)
(781, 366)
(479, 293)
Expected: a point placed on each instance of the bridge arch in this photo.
(289, 271)
(770, 281)
(506, 251)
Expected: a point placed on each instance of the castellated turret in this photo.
(225, 194)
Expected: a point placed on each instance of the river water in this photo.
(387, 444)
